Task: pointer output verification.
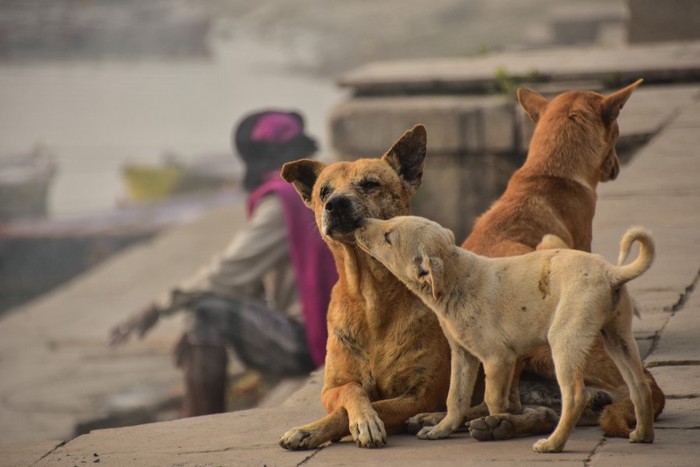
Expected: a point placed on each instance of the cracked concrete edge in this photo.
(675, 308)
(25, 454)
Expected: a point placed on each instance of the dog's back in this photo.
(534, 205)
(572, 149)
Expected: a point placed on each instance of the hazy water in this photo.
(96, 116)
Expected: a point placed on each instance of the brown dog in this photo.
(387, 358)
(554, 192)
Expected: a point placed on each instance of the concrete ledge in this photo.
(456, 124)
(657, 63)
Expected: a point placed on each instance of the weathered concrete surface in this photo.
(58, 370)
(680, 343)
(26, 453)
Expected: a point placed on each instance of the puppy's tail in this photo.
(621, 274)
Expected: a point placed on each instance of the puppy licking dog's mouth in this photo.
(365, 234)
(340, 229)
(340, 219)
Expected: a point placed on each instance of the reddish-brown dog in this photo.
(554, 192)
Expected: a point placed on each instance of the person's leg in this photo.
(204, 368)
(202, 356)
(267, 340)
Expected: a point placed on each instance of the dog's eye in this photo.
(369, 185)
(324, 192)
(386, 237)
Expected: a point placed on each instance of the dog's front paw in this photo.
(299, 438)
(493, 427)
(435, 432)
(642, 436)
(423, 420)
(368, 431)
(545, 445)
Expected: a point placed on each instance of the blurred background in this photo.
(115, 115)
(109, 104)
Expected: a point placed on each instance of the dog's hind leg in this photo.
(569, 352)
(618, 417)
(622, 348)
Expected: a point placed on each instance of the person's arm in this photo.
(236, 273)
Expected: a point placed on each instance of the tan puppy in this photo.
(496, 309)
(554, 192)
(387, 358)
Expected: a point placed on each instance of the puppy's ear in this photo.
(302, 174)
(407, 156)
(433, 272)
(451, 235)
(612, 104)
(532, 102)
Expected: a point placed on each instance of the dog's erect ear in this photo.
(432, 271)
(532, 102)
(613, 103)
(407, 156)
(303, 174)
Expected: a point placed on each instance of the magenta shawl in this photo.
(314, 267)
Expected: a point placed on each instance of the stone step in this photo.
(656, 63)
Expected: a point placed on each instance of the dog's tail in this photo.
(621, 274)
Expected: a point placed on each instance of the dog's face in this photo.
(588, 119)
(413, 248)
(342, 194)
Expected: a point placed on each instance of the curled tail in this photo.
(621, 274)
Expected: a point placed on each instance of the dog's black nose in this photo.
(338, 203)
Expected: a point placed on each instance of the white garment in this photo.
(255, 266)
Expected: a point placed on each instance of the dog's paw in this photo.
(423, 420)
(642, 436)
(435, 432)
(545, 445)
(368, 431)
(493, 427)
(299, 438)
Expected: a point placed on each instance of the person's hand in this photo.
(140, 323)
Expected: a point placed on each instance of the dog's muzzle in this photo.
(340, 216)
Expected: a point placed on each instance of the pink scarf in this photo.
(314, 267)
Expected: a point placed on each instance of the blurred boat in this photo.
(156, 182)
(24, 184)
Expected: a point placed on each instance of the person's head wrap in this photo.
(266, 139)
